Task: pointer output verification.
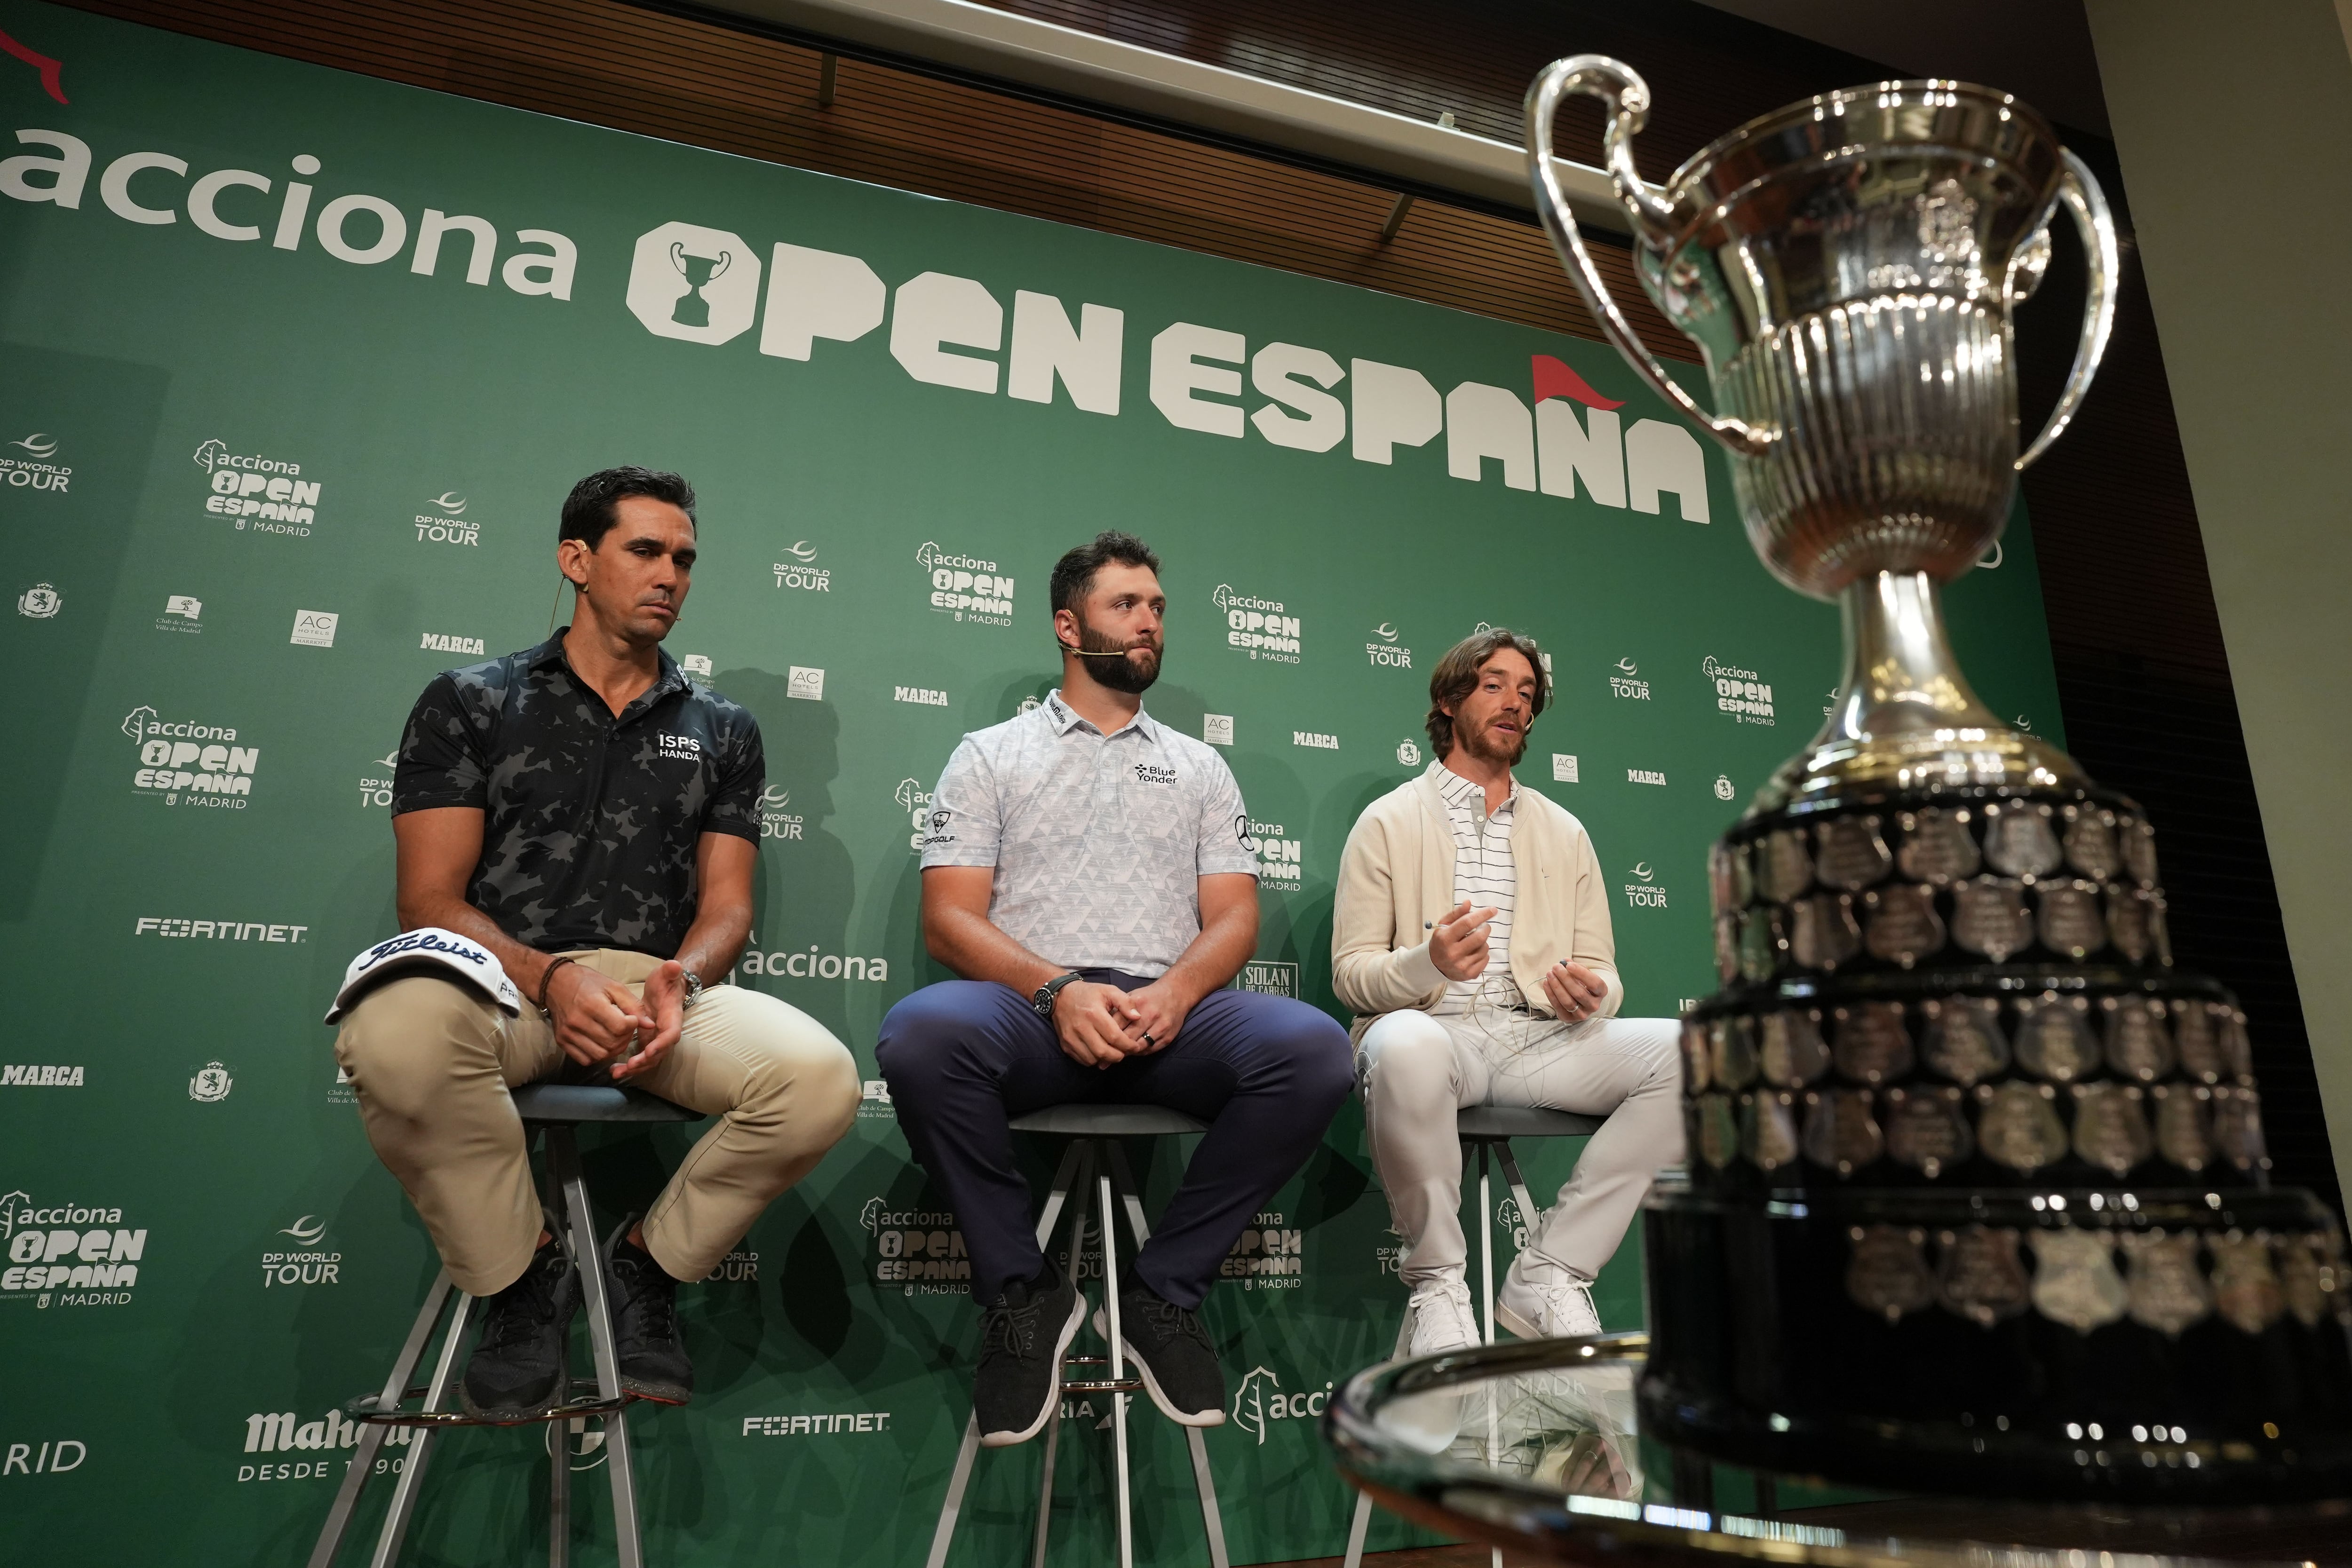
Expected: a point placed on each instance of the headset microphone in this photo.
(1091, 653)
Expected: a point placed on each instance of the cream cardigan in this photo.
(1396, 882)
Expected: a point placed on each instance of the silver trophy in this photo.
(1973, 1171)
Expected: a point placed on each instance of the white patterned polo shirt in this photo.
(1485, 874)
(1098, 840)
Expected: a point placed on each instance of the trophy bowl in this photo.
(1977, 1195)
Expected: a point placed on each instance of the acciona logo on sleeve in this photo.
(970, 588)
(186, 762)
(267, 494)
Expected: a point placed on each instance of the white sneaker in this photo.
(1441, 1318)
(1546, 1303)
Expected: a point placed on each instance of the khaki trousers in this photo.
(1421, 1067)
(432, 1059)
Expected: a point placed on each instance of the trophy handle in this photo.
(2102, 260)
(1627, 96)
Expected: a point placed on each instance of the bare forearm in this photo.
(526, 967)
(976, 950)
(714, 940)
(1217, 953)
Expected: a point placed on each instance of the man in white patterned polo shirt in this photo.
(1090, 874)
(1471, 937)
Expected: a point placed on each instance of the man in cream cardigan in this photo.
(1471, 939)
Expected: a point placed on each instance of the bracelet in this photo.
(548, 976)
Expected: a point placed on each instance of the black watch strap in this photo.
(1043, 1000)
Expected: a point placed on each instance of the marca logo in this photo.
(200, 761)
(215, 930)
(1270, 978)
(923, 694)
(447, 523)
(1624, 683)
(266, 494)
(920, 1248)
(1280, 859)
(29, 472)
(1646, 776)
(813, 965)
(1314, 739)
(1260, 1401)
(1259, 626)
(182, 612)
(306, 1266)
(798, 574)
(437, 643)
(75, 1254)
(1642, 893)
(1739, 693)
(1269, 1255)
(25, 1076)
(1387, 653)
(967, 587)
(775, 823)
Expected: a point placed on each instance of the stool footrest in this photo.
(364, 1408)
(1102, 1386)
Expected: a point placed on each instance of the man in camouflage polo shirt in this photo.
(590, 817)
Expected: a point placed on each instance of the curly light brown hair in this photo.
(1456, 675)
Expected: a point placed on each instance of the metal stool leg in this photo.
(1362, 1521)
(564, 1160)
(559, 1494)
(943, 1533)
(420, 1446)
(1211, 1520)
(1117, 1361)
(372, 1435)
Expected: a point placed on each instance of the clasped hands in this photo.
(1458, 946)
(599, 1019)
(1101, 1026)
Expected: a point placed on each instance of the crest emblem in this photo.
(1771, 1132)
(1793, 1054)
(2131, 921)
(2109, 1130)
(2018, 840)
(1787, 869)
(2069, 923)
(2052, 1040)
(1926, 1131)
(1826, 933)
(1733, 1043)
(1873, 1046)
(2246, 1290)
(2138, 1046)
(2184, 1115)
(2237, 1050)
(1903, 927)
(1937, 847)
(211, 1084)
(2017, 1123)
(40, 602)
(1887, 1272)
(1988, 918)
(1850, 853)
(1696, 1076)
(1963, 1040)
(2138, 844)
(2238, 1128)
(1840, 1131)
(1761, 942)
(2074, 1279)
(2091, 843)
(2193, 1036)
(2167, 1291)
(1979, 1276)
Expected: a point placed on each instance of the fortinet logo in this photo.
(923, 694)
(215, 930)
(816, 1425)
(435, 643)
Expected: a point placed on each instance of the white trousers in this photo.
(1421, 1068)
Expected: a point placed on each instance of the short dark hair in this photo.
(593, 506)
(1457, 675)
(1073, 574)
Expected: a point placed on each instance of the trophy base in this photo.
(1813, 1336)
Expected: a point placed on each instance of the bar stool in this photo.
(552, 1109)
(1094, 1155)
(1488, 1130)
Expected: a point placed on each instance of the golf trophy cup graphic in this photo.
(1977, 1197)
(699, 272)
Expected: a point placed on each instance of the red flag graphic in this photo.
(41, 63)
(1554, 378)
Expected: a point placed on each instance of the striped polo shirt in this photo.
(1484, 874)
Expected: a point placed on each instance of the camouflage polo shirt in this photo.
(590, 821)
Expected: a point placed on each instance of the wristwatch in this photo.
(693, 984)
(1044, 999)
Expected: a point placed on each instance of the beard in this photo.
(1121, 674)
(1481, 743)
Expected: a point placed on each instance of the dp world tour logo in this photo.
(52, 82)
(40, 443)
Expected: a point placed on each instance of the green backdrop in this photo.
(182, 330)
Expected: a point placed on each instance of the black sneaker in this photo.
(1171, 1352)
(520, 1364)
(1023, 1337)
(654, 1364)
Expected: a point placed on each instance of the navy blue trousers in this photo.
(964, 1056)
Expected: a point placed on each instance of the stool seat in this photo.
(1485, 1121)
(1086, 1121)
(579, 1102)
